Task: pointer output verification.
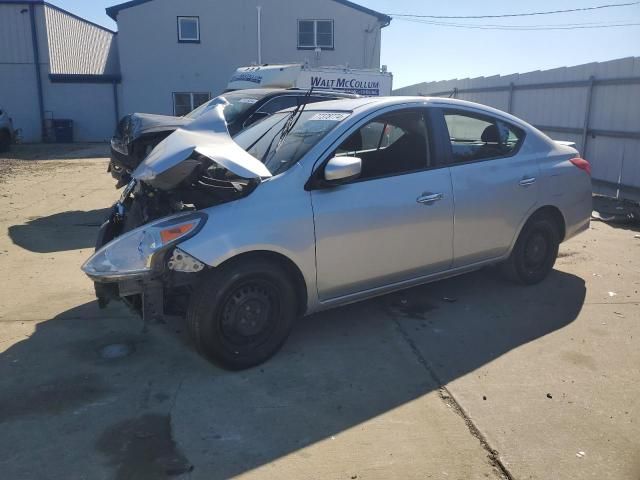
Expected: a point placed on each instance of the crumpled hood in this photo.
(141, 123)
(207, 135)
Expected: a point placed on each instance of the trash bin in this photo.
(62, 130)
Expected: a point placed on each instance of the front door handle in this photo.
(527, 181)
(429, 198)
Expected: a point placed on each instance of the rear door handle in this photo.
(526, 182)
(429, 198)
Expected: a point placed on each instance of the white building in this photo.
(167, 57)
(55, 65)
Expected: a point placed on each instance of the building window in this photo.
(314, 34)
(184, 102)
(189, 29)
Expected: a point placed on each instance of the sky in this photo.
(417, 52)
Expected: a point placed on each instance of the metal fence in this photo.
(596, 105)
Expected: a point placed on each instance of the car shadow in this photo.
(161, 410)
(59, 232)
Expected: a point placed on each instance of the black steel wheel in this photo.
(249, 312)
(241, 314)
(535, 252)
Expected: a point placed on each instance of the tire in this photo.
(224, 331)
(535, 252)
(5, 141)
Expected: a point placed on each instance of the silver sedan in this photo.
(333, 203)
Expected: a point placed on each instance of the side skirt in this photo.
(378, 291)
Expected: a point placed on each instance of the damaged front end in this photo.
(136, 136)
(138, 265)
(137, 255)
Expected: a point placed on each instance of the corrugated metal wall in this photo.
(67, 45)
(18, 81)
(15, 35)
(79, 47)
(612, 108)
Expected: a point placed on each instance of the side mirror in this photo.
(340, 169)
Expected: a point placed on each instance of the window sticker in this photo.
(329, 117)
(250, 101)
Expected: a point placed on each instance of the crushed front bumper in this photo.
(145, 296)
(164, 289)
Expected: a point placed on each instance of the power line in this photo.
(529, 14)
(568, 26)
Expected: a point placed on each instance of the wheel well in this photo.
(555, 215)
(287, 265)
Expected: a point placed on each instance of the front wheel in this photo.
(241, 314)
(535, 252)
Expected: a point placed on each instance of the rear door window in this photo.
(475, 137)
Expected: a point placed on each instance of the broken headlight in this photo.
(132, 254)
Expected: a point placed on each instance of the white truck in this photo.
(368, 83)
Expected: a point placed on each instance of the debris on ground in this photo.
(450, 299)
(613, 294)
(614, 210)
(580, 454)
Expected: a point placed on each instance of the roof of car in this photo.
(264, 92)
(255, 91)
(353, 104)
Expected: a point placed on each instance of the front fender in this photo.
(274, 218)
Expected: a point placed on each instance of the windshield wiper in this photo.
(288, 127)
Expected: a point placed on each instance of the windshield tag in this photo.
(250, 101)
(329, 117)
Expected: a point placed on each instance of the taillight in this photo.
(582, 164)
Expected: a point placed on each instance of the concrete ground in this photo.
(469, 378)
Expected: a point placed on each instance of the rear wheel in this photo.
(241, 314)
(535, 252)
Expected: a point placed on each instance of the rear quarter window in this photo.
(477, 137)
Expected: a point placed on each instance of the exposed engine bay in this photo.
(206, 185)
